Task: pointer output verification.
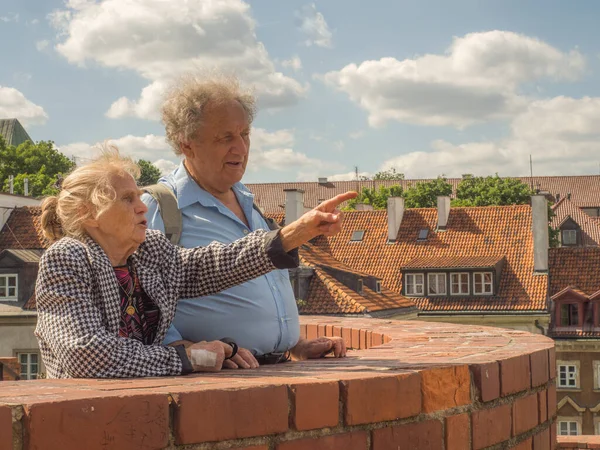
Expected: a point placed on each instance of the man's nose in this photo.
(241, 146)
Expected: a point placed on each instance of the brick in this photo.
(376, 339)
(369, 339)
(337, 331)
(551, 401)
(315, 405)
(458, 432)
(347, 336)
(525, 414)
(230, 414)
(363, 339)
(541, 441)
(552, 363)
(6, 428)
(524, 445)
(329, 330)
(302, 331)
(321, 330)
(115, 422)
(487, 380)
(415, 436)
(490, 426)
(445, 388)
(355, 338)
(542, 406)
(515, 375)
(381, 398)
(348, 441)
(553, 435)
(539, 368)
(312, 332)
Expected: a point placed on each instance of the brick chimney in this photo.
(539, 216)
(443, 211)
(395, 212)
(294, 204)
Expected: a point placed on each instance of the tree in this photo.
(40, 163)
(425, 194)
(390, 174)
(150, 173)
(491, 190)
(375, 197)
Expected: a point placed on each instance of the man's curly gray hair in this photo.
(182, 110)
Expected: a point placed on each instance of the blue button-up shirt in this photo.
(260, 315)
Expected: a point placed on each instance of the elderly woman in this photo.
(108, 288)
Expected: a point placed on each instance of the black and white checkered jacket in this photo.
(78, 303)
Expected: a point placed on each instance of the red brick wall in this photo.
(420, 386)
(11, 369)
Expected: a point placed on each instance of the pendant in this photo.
(130, 310)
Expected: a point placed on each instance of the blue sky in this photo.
(427, 87)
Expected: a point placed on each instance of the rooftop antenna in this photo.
(356, 177)
(531, 171)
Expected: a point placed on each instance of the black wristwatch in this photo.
(234, 346)
(186, 365)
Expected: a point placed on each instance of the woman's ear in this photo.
(90, 220)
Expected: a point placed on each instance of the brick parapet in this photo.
(578, 442)
(423, 385)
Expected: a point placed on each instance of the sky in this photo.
(428, 87)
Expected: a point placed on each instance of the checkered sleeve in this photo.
(205, 270)
(70, 325)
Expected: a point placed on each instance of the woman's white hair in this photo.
(182, 110)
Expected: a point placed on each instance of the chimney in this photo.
(364, 207)
(11, 184)
(395, 211)
(294, 204)
(322, 180)
(26, 186)
(443, 210)
(539, 216)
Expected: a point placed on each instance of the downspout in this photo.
(539, 327)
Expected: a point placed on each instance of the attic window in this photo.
(357, 236)
(569, 237)
(378, 286)
(423, 234)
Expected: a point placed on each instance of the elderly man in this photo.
(208, 121)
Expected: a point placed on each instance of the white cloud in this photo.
(161, 40)
(42, 45)
(165, 166)
(313, 24)
(477, 80)
(559, 133)
(13, 104)
(348, 176)
(10, 17)
(294, 63)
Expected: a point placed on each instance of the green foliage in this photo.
(150, 173)
(375, 197)
(424, 195)
(41, 163)
(488, 191)
(389, 174)
(553, 234)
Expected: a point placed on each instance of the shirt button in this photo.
(245, 231)
(274, 287)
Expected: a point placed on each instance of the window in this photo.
(8, 287)
(414, 284)
(359, 286)
(436, 284)
(29, 365)
(423, 234)
(357, 236)
(459, 284)
(568, 376)
(568, 428)
(483, 283)
(569, 314)
(569, 237)
(378, 286)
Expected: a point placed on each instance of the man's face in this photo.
(217, 155)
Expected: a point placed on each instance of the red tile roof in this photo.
(23, 230)
(584, 190)
(500, 231)
(464, 262)
(590, 226)
(577, 268)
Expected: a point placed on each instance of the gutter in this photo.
(484, 313)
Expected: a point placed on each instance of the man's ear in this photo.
(186, 149)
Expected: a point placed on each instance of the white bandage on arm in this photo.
(203, 358)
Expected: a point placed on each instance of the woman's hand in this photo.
(325, 219)
(211, 357)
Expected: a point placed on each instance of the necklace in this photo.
(130, 310)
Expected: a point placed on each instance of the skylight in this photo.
(357, 236)
(423, 234)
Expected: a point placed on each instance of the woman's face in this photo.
(124, 222)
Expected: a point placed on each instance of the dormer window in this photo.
(569, 314)
(459, 283)
(413, 284)
(378, 286)
(8, 287)
(436, 284)
(357, 236)
(483, 283)
(569, 237)
(423, 235)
